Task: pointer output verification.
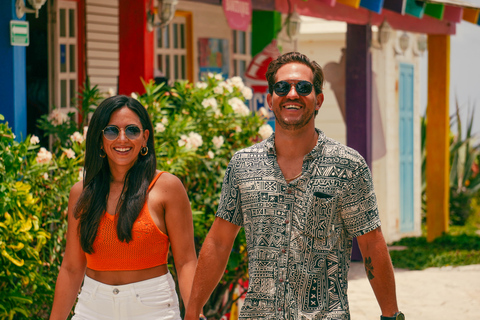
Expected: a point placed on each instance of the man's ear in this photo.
(320, 98)
(269, 101)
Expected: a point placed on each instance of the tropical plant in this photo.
(464, 168)
(34, 187)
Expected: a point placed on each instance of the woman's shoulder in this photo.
(77, 188)
(167, 185)
(167, 180)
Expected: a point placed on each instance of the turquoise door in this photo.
(405, 93)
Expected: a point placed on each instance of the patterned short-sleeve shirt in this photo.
(299, 234)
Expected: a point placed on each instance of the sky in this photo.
(464, 72)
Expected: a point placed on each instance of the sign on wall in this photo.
(238, 13)
(19, 33)
(213, 56)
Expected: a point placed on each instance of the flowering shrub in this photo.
(197, 130)
(34, 188)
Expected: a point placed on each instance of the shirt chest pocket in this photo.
(321, 213)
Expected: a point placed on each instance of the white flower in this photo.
(265, 131)
(80, 174)
(183, 140)
(111, 92)
(195, 140)
(85, 130)
(209, 102)
(264, 112)
(220, 88)
(238, 129)
(210, 75)
(14, 136)
(44, 156)
(70, 153)
(45, 176)
(236, 82)
(77, 137)
(219, 76)
(218, 141)
(239, 107)
(201, 85)
(164, 121)
(159, 127)
(247, 93)
(34, 139)
(210, 154)
(191, 142)
(57, 117)
(134, 95)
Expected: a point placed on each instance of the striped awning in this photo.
(423, 16)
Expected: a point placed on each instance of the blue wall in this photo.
(13, 84)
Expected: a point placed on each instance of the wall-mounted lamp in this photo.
(384, 32)
(21, 9)
(292, 24)
(165, 10)
(422, 43)
(404, 42)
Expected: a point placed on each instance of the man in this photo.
(301, 198)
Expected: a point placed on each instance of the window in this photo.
(171, 50)
(241, 52)
(64, 73)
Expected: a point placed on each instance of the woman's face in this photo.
(123, 149)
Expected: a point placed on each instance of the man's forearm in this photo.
(211, 265)
(379, 270)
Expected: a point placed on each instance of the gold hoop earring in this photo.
(144, 151)
(103, 154)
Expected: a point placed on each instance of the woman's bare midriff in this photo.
(117, 278)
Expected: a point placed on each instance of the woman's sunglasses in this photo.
(303, 88)
(112, 132)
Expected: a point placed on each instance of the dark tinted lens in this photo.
(110, 133)
(281, 88)
(132, 132)
(303, 88)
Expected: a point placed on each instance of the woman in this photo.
(121, 219)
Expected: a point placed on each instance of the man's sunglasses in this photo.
(112, 132)
(303, 88)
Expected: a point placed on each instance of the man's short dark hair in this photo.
(295, 57)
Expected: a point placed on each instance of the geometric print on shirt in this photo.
(299, 234)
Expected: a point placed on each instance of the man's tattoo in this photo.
(369, 268)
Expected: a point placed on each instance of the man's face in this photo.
(294, 111)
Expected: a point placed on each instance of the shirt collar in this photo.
(316, 151)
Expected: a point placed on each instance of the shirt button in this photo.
(289, 191)
(283, 250)
(279, 309)
(287, 221)
(116, 291)
(281, 280)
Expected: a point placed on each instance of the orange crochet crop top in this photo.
(148, 247)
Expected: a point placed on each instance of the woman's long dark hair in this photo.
(92, 203)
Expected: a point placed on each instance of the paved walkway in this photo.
(448, 293)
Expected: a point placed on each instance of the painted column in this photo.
(265, 26)
(136, 46)
(437, 136)
(358, 102)
(13, 82)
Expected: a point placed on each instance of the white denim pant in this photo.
(150, 299)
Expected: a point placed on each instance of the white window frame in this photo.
(240, 57)
(174, 72)
(70, 77)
